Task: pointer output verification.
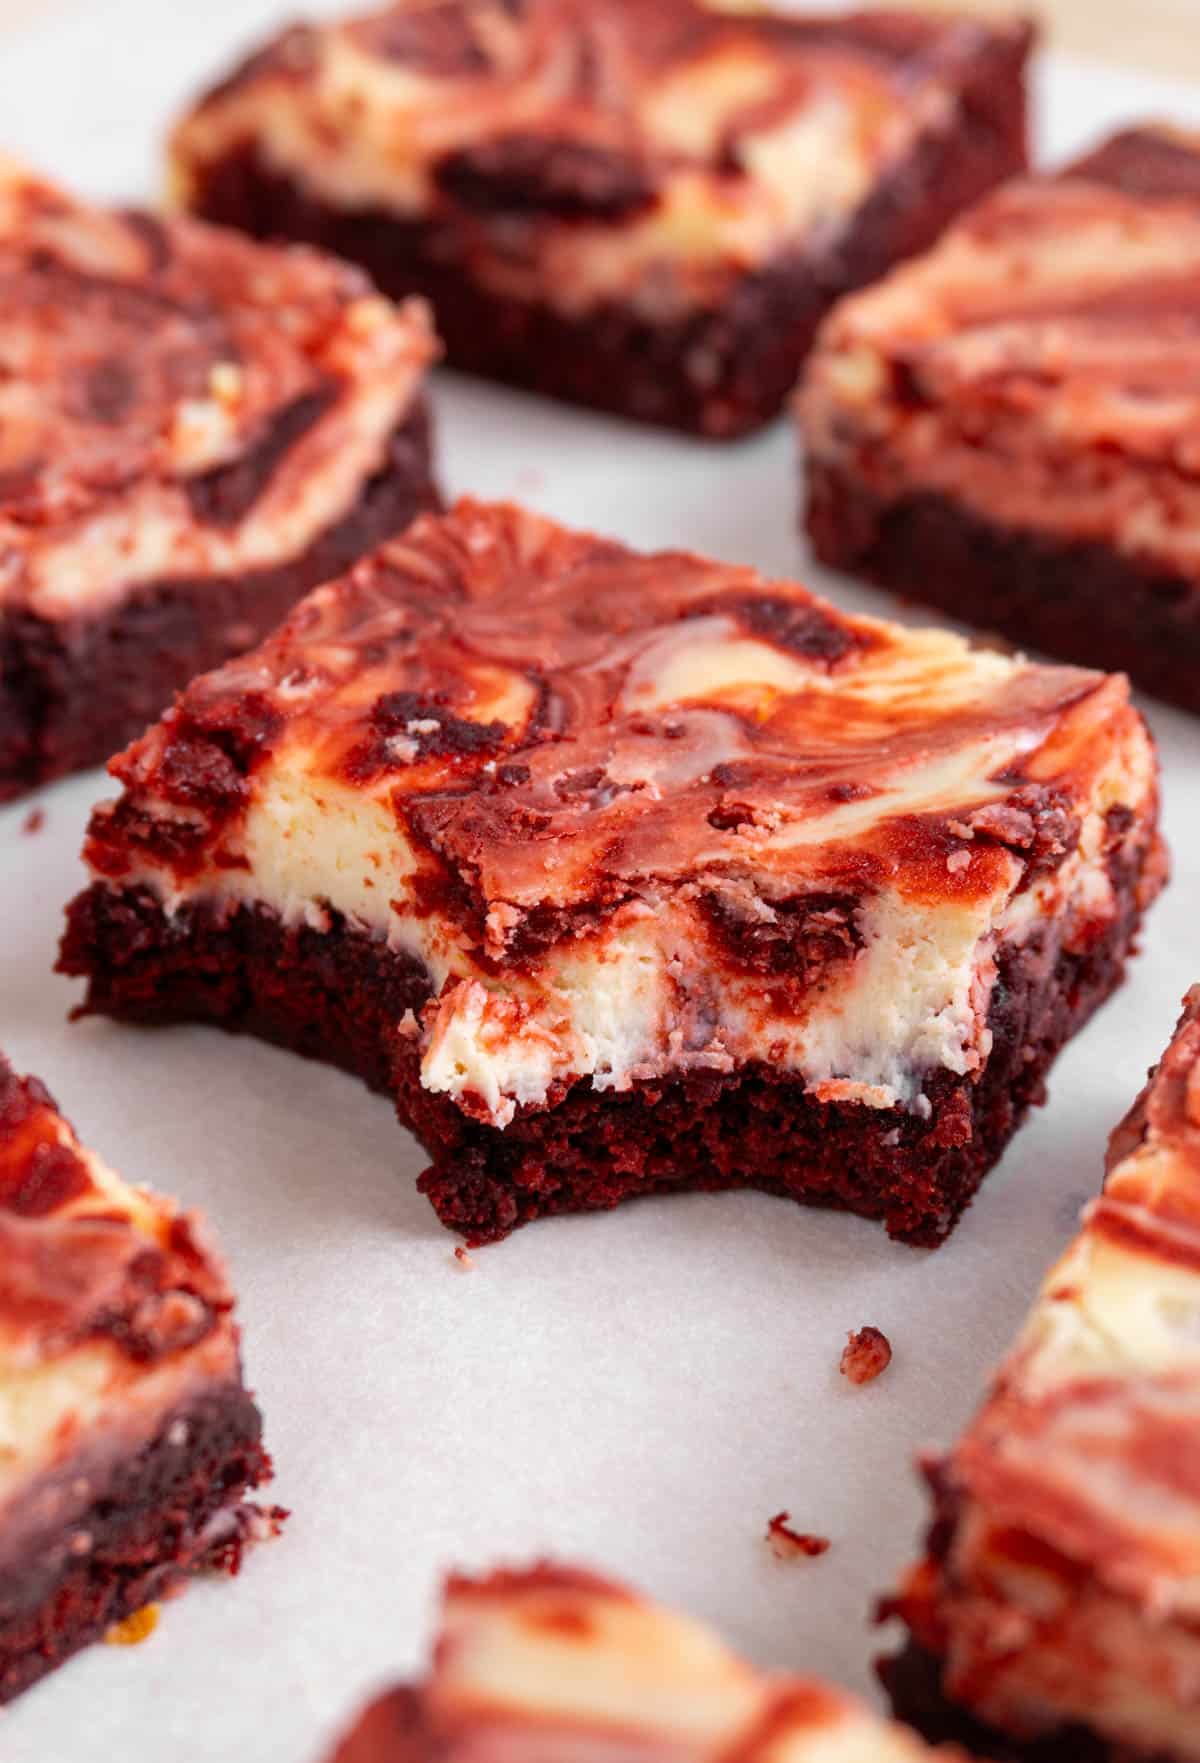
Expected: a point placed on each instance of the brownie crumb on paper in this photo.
(788, 1544)
(866, 1355)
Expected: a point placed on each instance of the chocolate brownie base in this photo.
(1082, 601)
(74, 692)
(338, 995)
(720, 372)
(156, 1516)
(913, 1681)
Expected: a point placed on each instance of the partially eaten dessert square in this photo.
(1008, 428)
(1057, 1611)
(128, 1440)
(645, 205)
(194, 431)
(627, 873)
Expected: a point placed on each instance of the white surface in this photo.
(641, 1390)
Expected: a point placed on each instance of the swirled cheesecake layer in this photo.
(1040, 368)
(581, 153)
(639, 816)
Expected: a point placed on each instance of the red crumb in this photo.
(255, 1524)
(787, 1543)
(34, 821)
(464, 1257)
(865, 1355)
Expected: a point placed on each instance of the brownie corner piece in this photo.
(1054, 1614)
(554, 1661)
(656, 875)
(644, 206)
(1004, 428)
(195, 429)
(130, 1440)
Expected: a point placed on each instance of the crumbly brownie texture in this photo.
(641, 205)
(338, 994)
(194, 431)
(1056, 1614)
(1006, 428)
(556, 1664)
(626, 873)
(128, 1440)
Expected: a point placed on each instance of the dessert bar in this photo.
(1058, 1605)
(1007, 428)
(642, 205)
(128, 1440)
(626, 873)
(557, 1666)
(194, 430)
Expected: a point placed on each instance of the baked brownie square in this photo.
(1008, 428)
(642, 205)
(128, 1440)
(194, 431)
(629, 873)
(1059, 1603)
(553, 1665)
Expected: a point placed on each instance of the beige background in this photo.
(1162, 35)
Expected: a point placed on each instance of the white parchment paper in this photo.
(640, 1390)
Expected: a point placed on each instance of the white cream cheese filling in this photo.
(645, 996)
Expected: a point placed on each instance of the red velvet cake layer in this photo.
(155, 1517)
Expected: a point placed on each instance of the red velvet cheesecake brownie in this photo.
(644, 205)
(1060, 1600)
(194, 431)
(128, 1440)
(627, 873)
(1008, 428)
(557, 1666)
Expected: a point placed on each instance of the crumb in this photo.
(34, 821)
(464, 1258)
(134, 1629)
(787, 1543)
(958, 860)
(252, 1525)
(867, 1353)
